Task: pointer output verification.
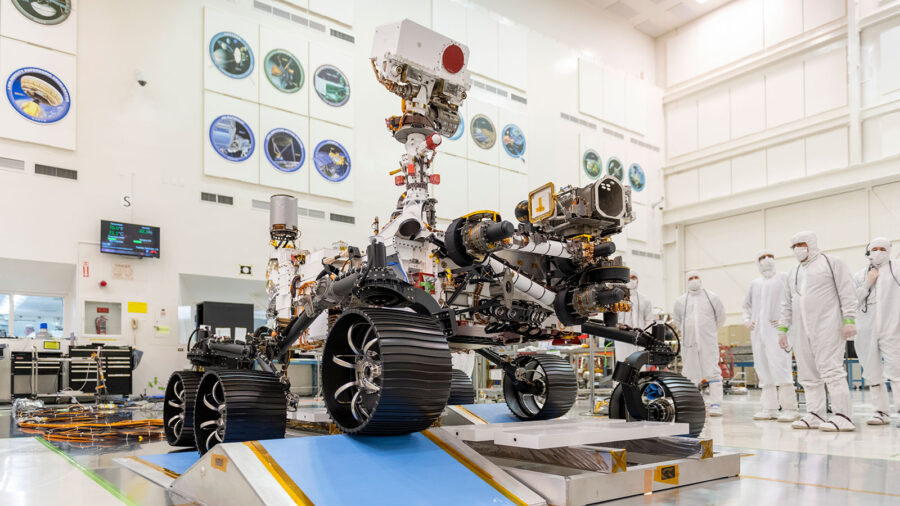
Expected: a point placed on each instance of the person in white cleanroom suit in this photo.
(639, 317)
(698, 314)
(762, 308)
(878, 319)
(819, 309)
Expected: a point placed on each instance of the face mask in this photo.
(767, 264)
(632, 284)
(878, 258)
(801, 253)
(694, 285)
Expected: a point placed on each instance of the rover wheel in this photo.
(178, 407)
(238, 405)
(669, 397)
(385, 371)
(461, 389)
(550, 387)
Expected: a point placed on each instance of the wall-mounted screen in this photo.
(129, 239)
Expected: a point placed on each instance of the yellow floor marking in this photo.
(167, 472)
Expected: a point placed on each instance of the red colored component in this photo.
(103, 283)
(453, 58)
(399, 180)
(411, 169)
(435, 179)
(434, 140)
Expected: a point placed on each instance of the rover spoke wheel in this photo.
(178, 407)
(544, 387)
(668, 397)
(385, 371)
(461, 389)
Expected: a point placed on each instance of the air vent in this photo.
(10, 163)
(517, 98)
(48, 170)
(343, 36)
(259, 204)
(575, 119)
(221, 199)
(647, 254)
(495, 90)
(615, 134)
(281, 14)
(343, 218)
(299, 19)
(643, 144)
(261, 6)
(316, 26)
(315, 213)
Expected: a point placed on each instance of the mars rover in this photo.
(394, 312)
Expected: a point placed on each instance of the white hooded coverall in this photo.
(639, 317)
(819, 299)
(878, 324)
(699, 314)
(762, 306)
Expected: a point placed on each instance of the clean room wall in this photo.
(148, 143)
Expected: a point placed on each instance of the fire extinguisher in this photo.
(100, 324)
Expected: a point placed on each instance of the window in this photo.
(4, 315)
(30, 311)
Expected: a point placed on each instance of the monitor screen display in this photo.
(129, 239)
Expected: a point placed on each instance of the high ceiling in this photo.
(656, 17)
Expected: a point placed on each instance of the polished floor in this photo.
(778, 466)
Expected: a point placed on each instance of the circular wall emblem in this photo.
(45, 12)
(513, 141)
(636, 177)
(483, 132)
(284, 150)
(460, 128)
(231, 54)
(332, 160)
(38, 95)
(615, 169)
(232, 138)
(284, 71)
(331, 85)
(592, 164)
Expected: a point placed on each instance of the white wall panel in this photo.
(61, 36)
(613, 96)
(215, 22)
(819, 12)
(835, 219)
(784, 94)
(483, 181)
(318, 185)
(881, 136)
(714, 26)
(590, 88)
(884, 204)
(714, 118)
(682, 188)
(475, 108)
(271, 174)
(726, 241)
(681, 127)
(681, 60)
(826, 81)
(483, 32)
(826, 151)
(748, 171)
(889, 69)
(639, 229)
(516, 115)
(340, 10)
(513, 60)
(748, 107)
(513, 189)
(786, 161)
(635, 104)
(454, 186)
(745, 28)
(214, 164)
(783, 20)
(449, 18)
(715, 180)
(270, 39)
(319, 55)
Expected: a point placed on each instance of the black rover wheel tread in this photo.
(255, 407)
(190, 380)
(461, 389)
(562, 388)
(416, 372)
(689, 405)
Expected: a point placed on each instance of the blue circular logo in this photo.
(284, 150)
(513, 141)
(38, 95)
(231, 55)
(636, 177)
(592, 163)
(460, 128)
(331, 85)
(332, 160)
(232, 138)
(615, 168)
